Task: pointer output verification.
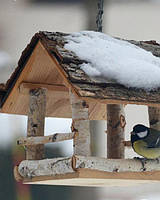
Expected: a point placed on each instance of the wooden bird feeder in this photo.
(49, 82)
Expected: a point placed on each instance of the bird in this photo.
(146, 141)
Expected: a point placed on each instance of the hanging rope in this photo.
(99, 18)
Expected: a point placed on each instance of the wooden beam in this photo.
(36, 120)
(112, 100)
(24, 87)
(81, 126)
(57, 137)
(115, 131)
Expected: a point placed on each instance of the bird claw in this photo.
(143, 162)
(158, 160)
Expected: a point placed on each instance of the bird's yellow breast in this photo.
(141, 148)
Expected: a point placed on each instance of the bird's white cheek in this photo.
(142, 134)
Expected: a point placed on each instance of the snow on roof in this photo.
(116, 60)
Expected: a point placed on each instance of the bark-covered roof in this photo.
(84, 85)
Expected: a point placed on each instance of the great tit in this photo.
(146, 141)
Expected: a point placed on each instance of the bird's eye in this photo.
(142, 134)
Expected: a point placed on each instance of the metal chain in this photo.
(99, 19)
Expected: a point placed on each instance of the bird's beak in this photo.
(132, 133)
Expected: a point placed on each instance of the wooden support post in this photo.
(115, 131)
(36, 120)
(154, 117)
(80, 126)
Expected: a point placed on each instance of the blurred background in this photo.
(19, 21)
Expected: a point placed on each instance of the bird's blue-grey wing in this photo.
(154, 140)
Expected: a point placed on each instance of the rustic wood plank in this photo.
(117, 94)
(57, 137)
(36, 120)
(24, 87)
(121, 176)
(103, 180)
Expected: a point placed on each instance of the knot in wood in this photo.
(84, 104)
(82, 165)
(115, 170)
(37, 92)
(54, 137)
(122, 121)
(76, 134)
(153, 122)
(73, 129)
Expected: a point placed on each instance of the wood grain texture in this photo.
(117, 94)
(81, 181)
(36, 120)
(24, 88)
(58, 103)
(40, 68)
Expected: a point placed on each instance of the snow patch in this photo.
(112, 59)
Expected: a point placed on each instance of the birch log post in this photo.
(36, 120)
(154, 117)
(115, 131)
(80, 126)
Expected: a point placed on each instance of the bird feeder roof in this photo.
(47, 63)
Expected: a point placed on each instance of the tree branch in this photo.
(57, 137)
(63, 166)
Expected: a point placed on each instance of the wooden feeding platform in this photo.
(49, 82)
(89, 171)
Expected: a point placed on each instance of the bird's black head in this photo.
(139, 132)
